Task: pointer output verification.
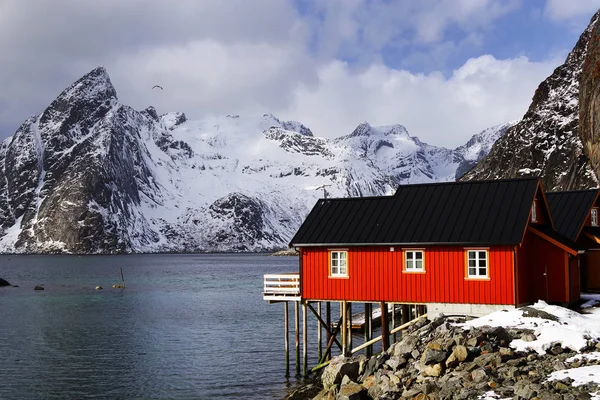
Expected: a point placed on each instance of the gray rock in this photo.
(531, 312)
(38, 287)
(528, 337)
(479, 375)
(337, 369)
(526, 391)
(488, 359)
(406, 346)
(325, 394)
(498, 335)
(431, 356)
(351, 391)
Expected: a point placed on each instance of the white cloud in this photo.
(207, 77)
(246, 57)
(442, 111)
(562, 10)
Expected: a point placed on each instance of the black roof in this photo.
(570, 209)
(469, 213)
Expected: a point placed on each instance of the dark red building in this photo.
(576, 216)
(460, 247)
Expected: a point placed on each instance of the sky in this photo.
(445, 69)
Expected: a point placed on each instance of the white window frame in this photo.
(534, 211)
(411, 262)
(338, 263)
(594, 215)
(477, 258)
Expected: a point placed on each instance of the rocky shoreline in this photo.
(443, 360)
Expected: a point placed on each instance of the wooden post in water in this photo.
(344, 327)
(385, 329)
(304, 341)
(329, 329)
(405, 317)
(297, 329)
(368, 328)
(287, 338)
(319, 332)
(122, 279)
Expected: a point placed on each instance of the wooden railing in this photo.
(282, 287)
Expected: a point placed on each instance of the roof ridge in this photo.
(572, 191)
(486, 181)
(358, 198)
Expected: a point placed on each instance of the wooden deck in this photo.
(282, 287)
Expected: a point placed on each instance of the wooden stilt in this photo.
(394, 321)
(327, 354)
(304, 342)
(349, 314)
(368, 328)
(328, 311)
(327, 327)
(297, 329)
(319, 333)
(405, 316)
(385, 339)
(287, 339)
(344, 329)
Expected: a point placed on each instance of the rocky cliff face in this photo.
(91, 175)
(589, 99)
(547, 142)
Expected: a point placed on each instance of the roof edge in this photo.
(404, 244)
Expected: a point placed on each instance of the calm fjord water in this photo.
(185, 326)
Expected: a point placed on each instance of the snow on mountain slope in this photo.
(91, 175)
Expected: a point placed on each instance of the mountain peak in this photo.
(92, 91)
(395, 129)
(95, 84)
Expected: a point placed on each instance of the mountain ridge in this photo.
(92, 175)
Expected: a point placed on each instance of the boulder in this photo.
(4, 283)
(337, 369)
(459, 354)
(433, 370)
(351, 391)
(406, 346)
(38, 287)
(431, 356)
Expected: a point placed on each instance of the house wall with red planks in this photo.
(377, 274)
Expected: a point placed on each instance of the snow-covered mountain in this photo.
(91, 175)
(549, 140)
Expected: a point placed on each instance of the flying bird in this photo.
(157, 86)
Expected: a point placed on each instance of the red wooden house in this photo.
(460, 247)
(575, 215)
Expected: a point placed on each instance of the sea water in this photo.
(184, 326)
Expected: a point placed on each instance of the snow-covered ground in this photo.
(572, 330)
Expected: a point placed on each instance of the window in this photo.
(534, 211)
(477, 266)
(414, 261)
(594, 217)
(338, 263)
